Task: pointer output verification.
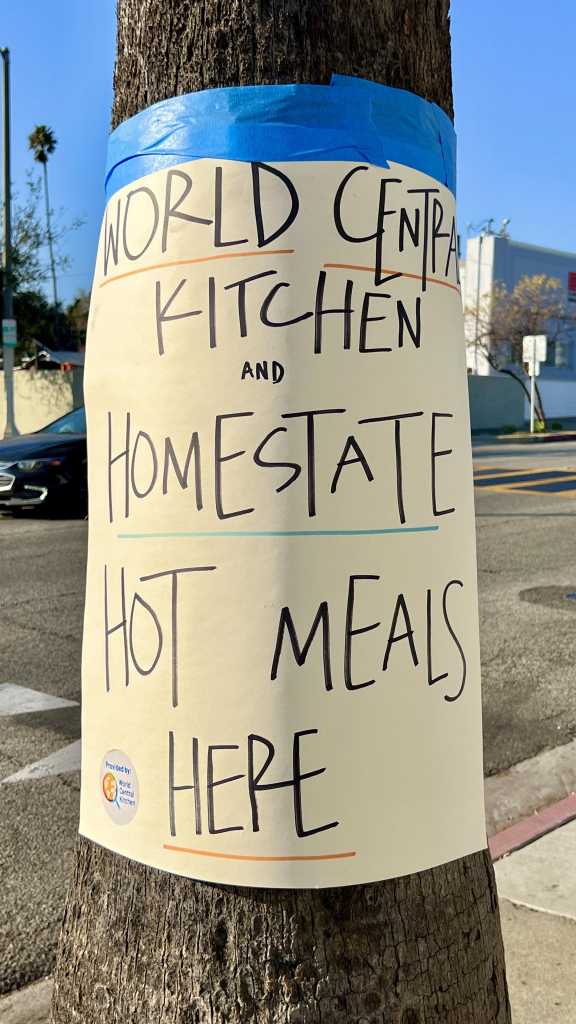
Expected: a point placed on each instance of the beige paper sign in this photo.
(281, 666)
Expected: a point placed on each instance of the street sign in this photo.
(534, 351)
(9, 336)
(535, 346)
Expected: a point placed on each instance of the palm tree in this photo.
(43, 141)
(140, 944)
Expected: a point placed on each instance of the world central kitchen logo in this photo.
(119, 787)
(110, 788)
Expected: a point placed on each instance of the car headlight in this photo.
(27, 465)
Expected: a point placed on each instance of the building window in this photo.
(559, 354)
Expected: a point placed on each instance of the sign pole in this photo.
(534, 350)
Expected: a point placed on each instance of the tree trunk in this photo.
(140, 945)
(170, 47)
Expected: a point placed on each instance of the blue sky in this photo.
(513, 91)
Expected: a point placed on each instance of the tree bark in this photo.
(170, 47)
(139, 945)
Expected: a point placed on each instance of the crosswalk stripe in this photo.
(67, 759)
(19, 700)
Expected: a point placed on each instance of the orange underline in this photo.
(241, 856)
(201, 259)
(372, 270)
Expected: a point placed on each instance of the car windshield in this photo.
(71, 423)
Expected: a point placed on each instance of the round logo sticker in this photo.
(119, 787)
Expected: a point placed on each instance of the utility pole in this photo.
(144, 945)
(8, 322)
(478, 283)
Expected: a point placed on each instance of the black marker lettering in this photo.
(414, 232)
(124, 454)
(454, 637)
(212, 311)
(174, 210)
(351, 442)
(182, 475)
(218, 214)
(159, 643)
(262, 239)
(155, 207)
(241, 286)
(154, 475)
(300, 654)
(211, 785)
(266, 306)
(172, 788)
(393, 639)
(161, 312)
(311, 446)
(280, 465)
(299, 777)
(111, 242)
(431, 677)
(174, 573)
(219, 459)
(426, 193)
(365, 320)
(398, 451)
(404, 321)
(436, 455)
(108, 630)
(380, 229)
(256, 786)
(354, 632)
(319, 312)
(452, 248)
(437, 218)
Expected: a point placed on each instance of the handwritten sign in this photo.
(281, 664)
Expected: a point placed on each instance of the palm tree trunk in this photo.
(140, 945)
(51, 251)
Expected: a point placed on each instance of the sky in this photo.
(513, 94)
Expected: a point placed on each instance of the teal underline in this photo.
(282, 533)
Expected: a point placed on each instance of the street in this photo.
(42, 566)
(526, 543)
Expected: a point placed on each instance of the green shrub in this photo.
(539, 427)
(556, 425)
(508, 428)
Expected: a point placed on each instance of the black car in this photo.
(46, 468)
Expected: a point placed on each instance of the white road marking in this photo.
(65, 760)
(19, 700)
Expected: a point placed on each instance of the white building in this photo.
(496, 258)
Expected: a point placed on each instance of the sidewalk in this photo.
(531, 822)
(537, 889)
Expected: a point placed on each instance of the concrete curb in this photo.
(533, 828)
(529, 787)
(30, 1005)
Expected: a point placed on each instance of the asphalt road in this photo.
(42, 565)
(525, 541)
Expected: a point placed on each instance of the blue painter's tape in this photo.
(351, 119)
